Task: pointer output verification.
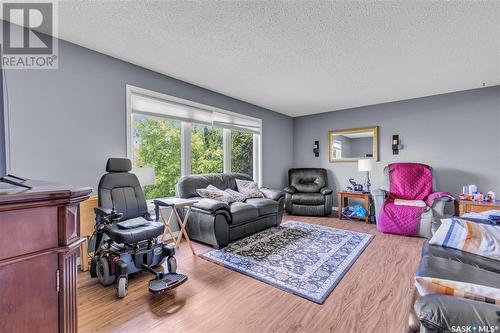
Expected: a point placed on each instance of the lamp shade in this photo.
(365, 165)
(146, 175)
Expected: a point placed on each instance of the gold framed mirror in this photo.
(350, 145)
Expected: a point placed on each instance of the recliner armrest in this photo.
(326, 190)
(272, 194)
(211, 205)
(378, 192)
(101, 211)
(442, 312)
(290, 190)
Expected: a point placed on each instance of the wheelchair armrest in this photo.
(102, 212)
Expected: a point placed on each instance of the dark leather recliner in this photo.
(308, 192)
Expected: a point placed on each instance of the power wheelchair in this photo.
(125, 238)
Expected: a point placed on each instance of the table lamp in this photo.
(146, 176)
(366, 165)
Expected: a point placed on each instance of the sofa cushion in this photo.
(265, 206)
(242, 212)
(210, 205)
(308, 198)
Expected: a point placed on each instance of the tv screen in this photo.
(3, 132)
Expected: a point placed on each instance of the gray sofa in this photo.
(308, 192)
(436, 211)
(442, 313)
(217, 223)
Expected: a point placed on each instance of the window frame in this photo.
(186, 131)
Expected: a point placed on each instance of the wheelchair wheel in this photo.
(93, 267)
(103, 272)
(171, 264)
(122, 286)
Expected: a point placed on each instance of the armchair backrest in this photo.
(308, 180)
(121, 190)
(387, 179)
(187, 185)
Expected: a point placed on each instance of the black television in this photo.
(5, 177)
(4, 140)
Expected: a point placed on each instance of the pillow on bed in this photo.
(212, 192)
(249, 188)
(477, 238)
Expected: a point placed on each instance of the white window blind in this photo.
(159, 107)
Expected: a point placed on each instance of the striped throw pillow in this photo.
(477, 238)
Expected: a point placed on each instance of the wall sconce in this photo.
(396, 144)
(316, 149)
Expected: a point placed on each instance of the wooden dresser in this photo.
(465, 206)
(39, 241)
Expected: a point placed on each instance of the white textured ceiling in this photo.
(300, 57)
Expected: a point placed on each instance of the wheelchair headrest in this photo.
(118, 165)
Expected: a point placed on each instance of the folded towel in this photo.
(412, 203)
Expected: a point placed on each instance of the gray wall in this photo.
(457, 134)
(65, 123)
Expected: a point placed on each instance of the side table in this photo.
(466, 206)
(175, 203)
(344, 196)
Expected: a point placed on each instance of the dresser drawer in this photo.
(28, 230)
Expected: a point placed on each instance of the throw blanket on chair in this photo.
(408, 181)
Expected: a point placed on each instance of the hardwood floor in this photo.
(374, 296)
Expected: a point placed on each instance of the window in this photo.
(157, 143)
(242, 152)
(207, 155)
(178, 137)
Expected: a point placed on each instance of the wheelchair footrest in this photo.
(168, 282)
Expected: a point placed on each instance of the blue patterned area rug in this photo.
(304, 259)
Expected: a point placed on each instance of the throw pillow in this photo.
(212, 192)
(237, 196)
(249, 188)
(478, 292)
(468, 236)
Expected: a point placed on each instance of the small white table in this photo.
(175, 203)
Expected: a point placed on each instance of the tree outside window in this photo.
(207, 154)
(242, 152)
(157, 144)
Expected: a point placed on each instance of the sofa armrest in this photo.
(290, 190)
(210, 205)
(442, 313)
(326, 190)
(272, 194)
